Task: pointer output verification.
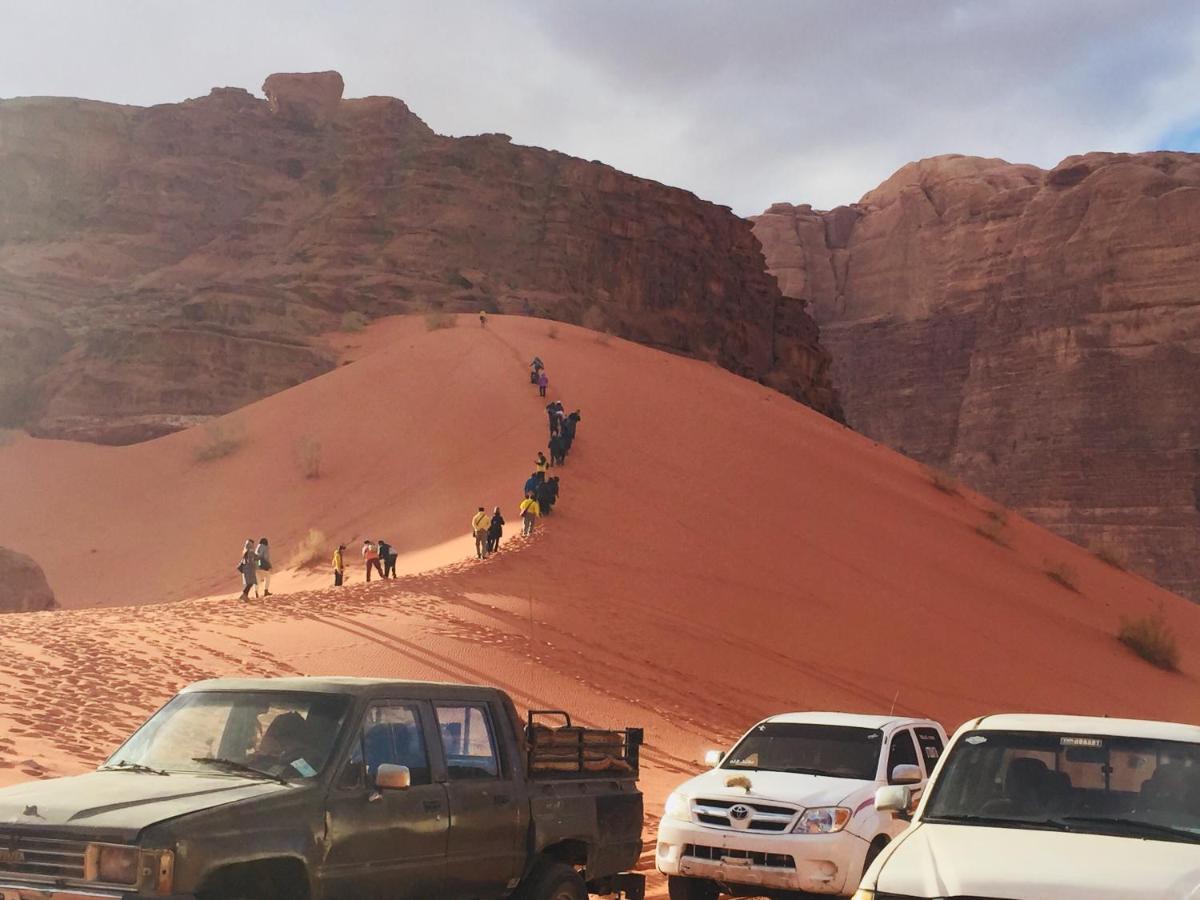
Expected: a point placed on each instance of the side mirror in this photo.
(893, 799)
(393, 778)
(713, 758)
(906, 775)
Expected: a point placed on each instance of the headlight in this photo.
(864, 894)
(822, 820)
(111, 863)
(677, 807)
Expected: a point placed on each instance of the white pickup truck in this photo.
(1038, 807)
(792, 807)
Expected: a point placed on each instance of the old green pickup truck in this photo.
(335, 789)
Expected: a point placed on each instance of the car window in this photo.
(391, 734)
(469, 742)
(931, 747)
(902, 753)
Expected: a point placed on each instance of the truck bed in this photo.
(567, 751)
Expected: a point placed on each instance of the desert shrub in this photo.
(353, 321)
(1111, 554)
(220, 439)
(1063, 574)
(311, 551)
(943, 481)
(1152, 638)
(308, 456)
(998, 514)
(552, 332)
(594, 318)
(436, 320)
(993, 530)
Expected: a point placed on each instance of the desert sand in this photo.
(719, 553)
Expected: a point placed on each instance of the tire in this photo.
(873, 851)
(679, 888)
(556, 881)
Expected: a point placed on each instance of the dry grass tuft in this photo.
(943, 481)
(552, 332)
(311, 551)
(1111, 554)
(1152, 638)
(308, 457)
(353, 321)
(435, 320)
(221, 439)
(993, 530)
(1063, 574)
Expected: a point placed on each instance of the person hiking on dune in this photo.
(370, 555)
(529, 513)
(495, 531)
(387, 556)
(552, 415)
(557, 451)
(247, 565)
(535, 368)
(543, 383)
(541, 463)
(480, 523)
(544, 498)
(262, 556)
(532, 482)
(339, 565)
(483, 318)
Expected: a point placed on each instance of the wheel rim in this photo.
(564, 893)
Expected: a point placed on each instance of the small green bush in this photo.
(1063, 574)
(220, 439)
(435, 320)
(353, 321)
(1152, 638)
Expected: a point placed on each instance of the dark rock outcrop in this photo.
(1037, 333)
(180, 257)
(23, 585)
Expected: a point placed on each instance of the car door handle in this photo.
(433, 806)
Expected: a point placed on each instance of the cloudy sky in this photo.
(744, 102)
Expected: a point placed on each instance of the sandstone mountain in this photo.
(162, 265)
(1036, 332)
(23, 585)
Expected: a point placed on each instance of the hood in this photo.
(1026, 864)
(785, 787)
(122, 801)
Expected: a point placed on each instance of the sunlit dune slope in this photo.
(719, 553)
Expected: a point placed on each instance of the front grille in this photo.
(41, 858)
(760, 817)
(716, 854)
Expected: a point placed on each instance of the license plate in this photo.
(736, 861)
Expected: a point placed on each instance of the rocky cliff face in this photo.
(23, 585)
(1036, 332)
(161, 265)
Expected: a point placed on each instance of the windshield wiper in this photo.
(972, 819)
(126, 766)
(1140, 825)
(232, 765)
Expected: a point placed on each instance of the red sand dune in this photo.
(719, 553)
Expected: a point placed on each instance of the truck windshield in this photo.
(280, 735)
(835, 751)
(1136, 787)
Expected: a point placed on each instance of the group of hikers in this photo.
(255, 566)
(540, 493)
(541, 489)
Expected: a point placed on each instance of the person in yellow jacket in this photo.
(339, 565)
(529, 514)
(479, 527)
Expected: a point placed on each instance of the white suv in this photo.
(1051, 808)
(792, 807)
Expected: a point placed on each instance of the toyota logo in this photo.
(739, 813)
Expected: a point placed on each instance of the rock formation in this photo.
(162, 265)
(1037, 333)
(23, 585)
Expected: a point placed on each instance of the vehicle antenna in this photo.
(892, 711)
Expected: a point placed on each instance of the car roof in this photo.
(371, 687)
(1097, 725)
(845, 720)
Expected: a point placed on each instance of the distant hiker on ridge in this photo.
(246, 565)
(387, 555)
(495, 531)
(483, 318)
(529, 514)
(339, 565)
(263, 560)
(370, 555)
(480, 523)
(543, 383)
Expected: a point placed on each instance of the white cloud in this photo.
(742, 102)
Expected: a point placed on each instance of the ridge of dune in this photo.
(719, 553)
